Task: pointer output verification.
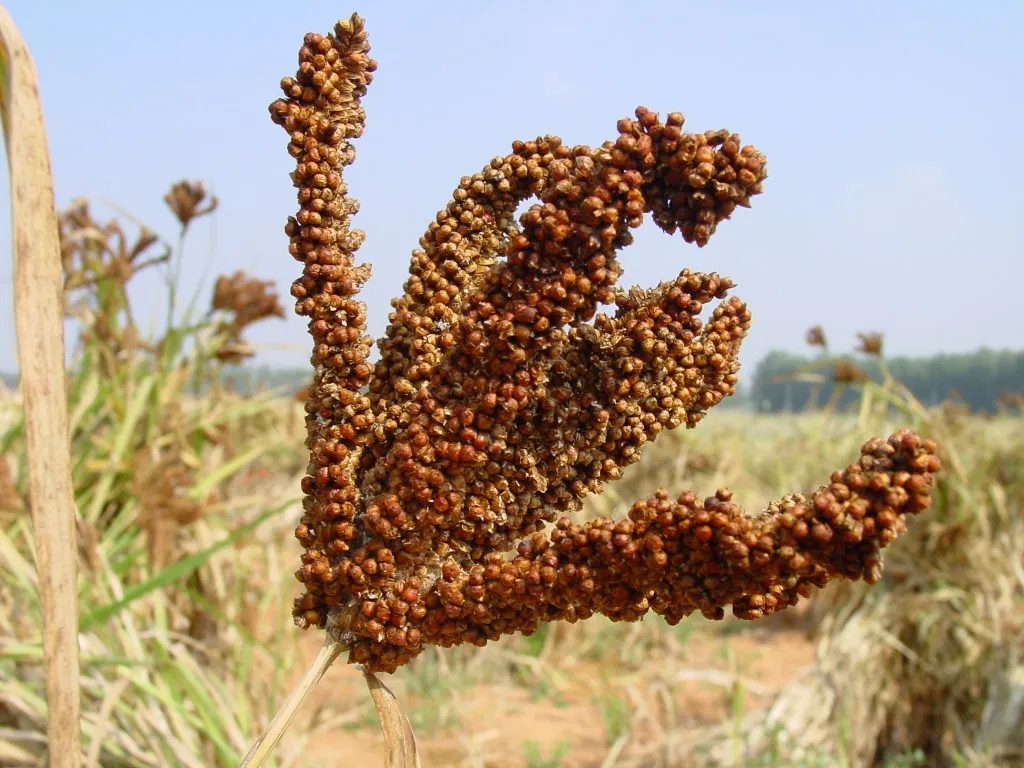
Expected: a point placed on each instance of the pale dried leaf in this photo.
(398, 736)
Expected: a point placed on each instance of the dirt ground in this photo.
(576, 713)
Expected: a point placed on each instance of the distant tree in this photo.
(784, 381)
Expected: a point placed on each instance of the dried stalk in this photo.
(398, 735)
(39, 322)
(265, 744)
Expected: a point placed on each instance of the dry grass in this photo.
(185, 667)
(935, 660)
(170, 489)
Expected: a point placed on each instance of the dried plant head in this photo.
(848, 372)
(234, 351)
(816, 337)
(870, 343)
(439, 479)
(10, 499)
(93, 252)
(99, 260)
(245, 300)
(122, 339)
(1010, 399)
(186, 200)
(161, 485)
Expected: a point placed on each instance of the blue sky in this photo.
(891, 130)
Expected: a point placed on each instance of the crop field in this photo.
(187, 639)
(497, 521)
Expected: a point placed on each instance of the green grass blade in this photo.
(174, 572)
(135, 412)
(225, 470)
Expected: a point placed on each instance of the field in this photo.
(186, 511)
(186, 493)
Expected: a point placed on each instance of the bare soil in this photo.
(572, 714)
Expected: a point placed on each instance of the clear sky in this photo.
(892, 132)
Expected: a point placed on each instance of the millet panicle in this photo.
(502, 398)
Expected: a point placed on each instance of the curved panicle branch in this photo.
(675, 556)
(502, 397)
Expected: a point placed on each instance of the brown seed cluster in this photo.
(246, 300)
(186, 200)
(161, 485)
(502, 398)
(675, 556)
(848, 372)
(870, 343)
(815, 337)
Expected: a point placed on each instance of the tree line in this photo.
(784, 381)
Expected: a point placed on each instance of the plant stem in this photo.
(39, 321)
(265, 744)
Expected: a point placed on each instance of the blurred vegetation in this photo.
(982, 381)
(186, 474)
(169, 511)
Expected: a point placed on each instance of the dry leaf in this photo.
(398, 735)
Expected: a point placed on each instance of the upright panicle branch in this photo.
(321, 114)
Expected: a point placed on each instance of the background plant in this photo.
(172, 475)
